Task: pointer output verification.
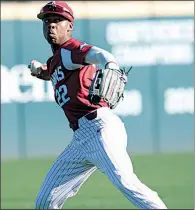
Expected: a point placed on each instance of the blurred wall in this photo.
(155, 37)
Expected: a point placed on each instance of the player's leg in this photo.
(64, 179)
(110, 156)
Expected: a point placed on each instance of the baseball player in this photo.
(99, 139)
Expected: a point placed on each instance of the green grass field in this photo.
(170, 175)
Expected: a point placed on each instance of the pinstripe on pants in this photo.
(99, 143)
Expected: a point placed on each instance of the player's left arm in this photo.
(76, 57)
(101, 57)
(109, 82)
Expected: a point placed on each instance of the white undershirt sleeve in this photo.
(102, 57)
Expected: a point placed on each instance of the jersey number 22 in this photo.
(61, 95)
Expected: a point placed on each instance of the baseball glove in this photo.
(109, 85)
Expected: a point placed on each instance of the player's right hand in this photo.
(35, 68)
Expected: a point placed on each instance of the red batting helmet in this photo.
(57, 7)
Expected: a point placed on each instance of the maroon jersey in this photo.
(71, 78)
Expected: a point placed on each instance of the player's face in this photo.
(56, 29)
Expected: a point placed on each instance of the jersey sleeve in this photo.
(78, 55)
(73, 55)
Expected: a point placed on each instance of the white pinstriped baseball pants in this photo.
(99, 143)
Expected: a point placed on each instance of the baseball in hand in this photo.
(35, 67)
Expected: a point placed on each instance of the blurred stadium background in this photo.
(157, 38)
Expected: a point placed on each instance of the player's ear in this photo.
(70, 26)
